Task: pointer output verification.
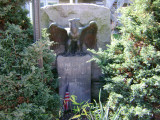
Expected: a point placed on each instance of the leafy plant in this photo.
(25, 82)
(131, 64)
(26, 90)
(80, 109)
(96, 111)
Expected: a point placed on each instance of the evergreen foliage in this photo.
(131, 65)
(27, 92)
(11, 12)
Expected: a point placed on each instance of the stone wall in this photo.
(86, 12)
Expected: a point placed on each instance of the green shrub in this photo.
(22, 81)
(27, 112)
(11, 12)
(131, 65)
(26, 91)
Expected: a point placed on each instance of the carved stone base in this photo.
(75, 72)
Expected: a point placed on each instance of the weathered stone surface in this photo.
(75, 71)
(96, 86)
(96, 72)
(86, 12)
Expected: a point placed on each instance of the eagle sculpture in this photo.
(74, 39)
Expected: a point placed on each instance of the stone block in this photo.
(96, 86)
(95, 72)
(75, 71)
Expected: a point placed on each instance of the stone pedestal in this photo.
(75, 72)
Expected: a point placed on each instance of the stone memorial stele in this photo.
(57, 16)
(61, 13)
(74, 68)
(75, 74)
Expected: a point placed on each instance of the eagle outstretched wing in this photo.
(59, 35)
(88, 35)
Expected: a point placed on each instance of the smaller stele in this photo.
(75, 40)
(74, 73)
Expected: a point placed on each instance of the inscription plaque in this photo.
(75, 72)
